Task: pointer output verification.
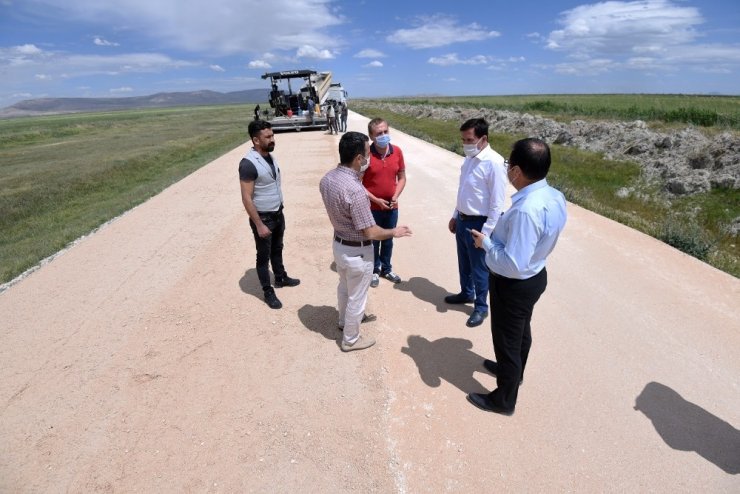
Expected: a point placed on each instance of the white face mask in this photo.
(365, 165)
(471, 150)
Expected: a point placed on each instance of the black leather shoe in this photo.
(476, 319)
(481, 401)
(272, 300)
(286, 281)
(458, 298)
(492, 367)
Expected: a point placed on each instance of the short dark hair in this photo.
(350, 145)
(257, 126)
(479, 124)
(532, 156)
(374, 123)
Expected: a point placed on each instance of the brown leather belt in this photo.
(353, 243)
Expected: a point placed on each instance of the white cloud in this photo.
(453, 59)
(439, 30)
(586, 68)
(121, 90)
(217, 68)
(374, 63)
(103, 42)
(615, 27)
(18, 56)
(28, 50)
(218, 27)
(259, 64)
(46, 65)
(369, 53)
(645, 35)
(308, 51)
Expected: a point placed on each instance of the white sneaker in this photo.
(375, 281)
(361, 343)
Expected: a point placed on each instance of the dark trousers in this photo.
(383, 249)
(270, 248)
(471, 262)
(512, 304)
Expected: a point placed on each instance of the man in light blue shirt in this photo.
(515, 255)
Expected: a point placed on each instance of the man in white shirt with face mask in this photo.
(480, 202)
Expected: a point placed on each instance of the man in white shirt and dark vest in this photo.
(516, 254)
(262, 196)
(480, 203)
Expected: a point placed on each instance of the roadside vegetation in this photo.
(63, 176)
(721, 112)
(696, 224)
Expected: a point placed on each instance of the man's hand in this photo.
(263, 231)
(381, 203)
(477, 238)
(401, 231)
(452, 225)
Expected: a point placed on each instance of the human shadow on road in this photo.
(250, 284)
(425, 290)
(446, 358)
(688, 427)
(321, 319)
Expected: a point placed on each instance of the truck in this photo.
(289, 109)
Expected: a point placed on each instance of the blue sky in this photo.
(102, 48)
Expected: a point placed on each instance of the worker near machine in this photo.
(311, 110)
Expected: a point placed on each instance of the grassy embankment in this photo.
(695, 224)
(62, 176)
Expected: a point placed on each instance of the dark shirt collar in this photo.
(381, 156)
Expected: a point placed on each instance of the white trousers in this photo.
(355, 268)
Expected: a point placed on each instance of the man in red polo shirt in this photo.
(384, 181)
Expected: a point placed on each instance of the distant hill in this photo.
(48, 106)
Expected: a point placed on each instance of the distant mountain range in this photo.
(48, 106)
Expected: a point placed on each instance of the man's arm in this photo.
(514, 256)
(497, 195)
(247, 189)
(377, 233)
(400, 184)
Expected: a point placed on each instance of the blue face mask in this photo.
(383, 140)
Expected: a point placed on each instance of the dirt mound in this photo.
(683, 162)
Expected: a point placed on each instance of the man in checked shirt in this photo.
(348, 208)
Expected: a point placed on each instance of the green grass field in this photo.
(62, 176)
(695, 224)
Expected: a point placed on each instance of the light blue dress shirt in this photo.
(526, 233)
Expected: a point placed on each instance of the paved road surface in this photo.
(143, 359)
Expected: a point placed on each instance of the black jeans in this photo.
(270, 248)
(512, 304)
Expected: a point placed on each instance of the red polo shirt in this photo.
(382, 175)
